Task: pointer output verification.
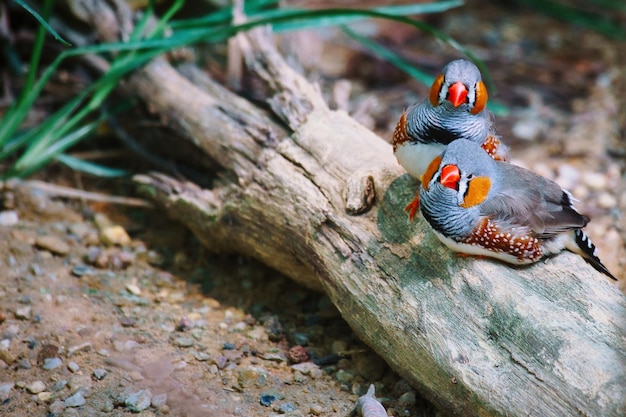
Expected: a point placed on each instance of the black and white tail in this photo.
(589, 252)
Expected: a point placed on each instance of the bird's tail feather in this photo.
(589, 252)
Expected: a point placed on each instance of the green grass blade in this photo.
(163, 21)
(42, 21)
(91, 168)
(342, 19)
(222, 16)
(32, 160)
(37, 48)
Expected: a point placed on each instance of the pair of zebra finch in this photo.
(476, 202)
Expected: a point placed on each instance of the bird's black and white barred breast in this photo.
(440, 208)
(444, 124)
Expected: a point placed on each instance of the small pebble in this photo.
(266, 400)
(52, 244)
(56, 407)
(7, 357)
(201, 356)
(44, 397)
(274, 356)
(297, 354)
(139, 401)
(287, 407)
(308, 368)
(59, 385)
(52, 363)
(80, 230)
(24, 364)
(183, 341)
(197, 333)
(126, 321)
(23, 313)
(316, 409)
(228, 346)
(71, 412)
(249, 376)
(73, 367)
(184, 324)
(274, 328)
(99, 373)
(257, 333)
(105, 405)
(5, 390)
(82, 270)
(36, 387)
(9, 218)
(75, 400)
(115, 236)
(133, 288)
(299, 377)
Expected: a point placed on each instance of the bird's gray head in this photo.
(460, 86)
(462, 70)
(465, 170)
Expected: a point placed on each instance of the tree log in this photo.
(320, 198)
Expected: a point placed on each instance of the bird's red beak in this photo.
(450, 176)
(457, 93)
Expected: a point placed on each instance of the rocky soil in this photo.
(94, 323)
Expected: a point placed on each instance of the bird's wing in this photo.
(528, 200)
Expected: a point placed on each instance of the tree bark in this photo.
(317, 196)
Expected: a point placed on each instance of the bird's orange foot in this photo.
(412, 207)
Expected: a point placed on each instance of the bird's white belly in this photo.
(415, 156)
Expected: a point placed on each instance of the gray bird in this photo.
(454, 109)
(479, 206)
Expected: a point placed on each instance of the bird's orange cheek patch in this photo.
(430, 171)
(481, 98)
(435, 89)
(477, 191)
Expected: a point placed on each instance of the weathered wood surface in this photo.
(315, 195)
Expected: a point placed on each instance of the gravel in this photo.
(76, 400)
(53, 244)
(52, 363)
(139, 401)
(35, 387)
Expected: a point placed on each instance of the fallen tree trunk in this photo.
(320, 198)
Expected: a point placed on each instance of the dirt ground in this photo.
(108, 310)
